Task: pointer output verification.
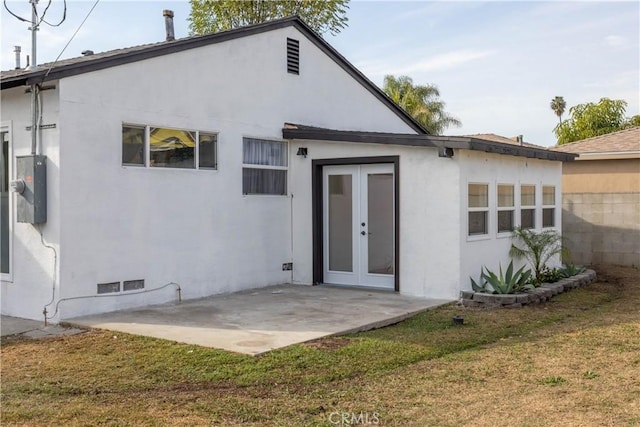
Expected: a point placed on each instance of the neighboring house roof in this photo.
(296, 131)
(622, 144)
(85, 64)
(502, 139)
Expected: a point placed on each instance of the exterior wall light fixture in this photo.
(302, 151)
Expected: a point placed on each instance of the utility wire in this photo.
(14, 15)
(71, 39)
(64, 15)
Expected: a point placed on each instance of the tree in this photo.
(210, 16)
(537, 248)
(635, 120)
(558, 105)
(421, 102)
(589, 120)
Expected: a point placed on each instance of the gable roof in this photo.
(622, 143)
(89, 63)
(296, 131)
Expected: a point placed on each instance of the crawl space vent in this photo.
(293, 56)
(107, 288)
(132, 285)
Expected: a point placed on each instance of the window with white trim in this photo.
(265, 165)
(478, 205)
(506, 208)
(528, 206)
(161, 147)
(548, 206)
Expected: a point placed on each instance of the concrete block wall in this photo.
(602, 228)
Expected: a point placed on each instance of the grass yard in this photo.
(572, 361)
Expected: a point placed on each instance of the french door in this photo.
(359, 225)
(5, 199)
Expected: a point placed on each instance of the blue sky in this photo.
(497, 64)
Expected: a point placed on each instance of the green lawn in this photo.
(573, 361)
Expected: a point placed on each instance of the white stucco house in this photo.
(241, 159)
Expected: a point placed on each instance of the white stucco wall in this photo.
(192, 227)
(429, 214)
(32, 267)
(494, 169)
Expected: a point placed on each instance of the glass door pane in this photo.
(340, 210)
(381, 227)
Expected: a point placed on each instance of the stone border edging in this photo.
(535, 296)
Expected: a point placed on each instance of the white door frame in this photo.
(6, 127)
(360, 274)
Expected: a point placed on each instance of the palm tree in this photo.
(422, 102)
(537, 248)
(558, 105)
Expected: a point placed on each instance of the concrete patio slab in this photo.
(259, 320)
(32, 328)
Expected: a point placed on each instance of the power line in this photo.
(64, 15)
(13, 14)
(40, 18)
(71, 39)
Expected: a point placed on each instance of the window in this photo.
(478, 200)
(265, 166)
(172, 148)
(528, 206)
(548, 206)
(133, 146)
(168, 148)
(506, 208)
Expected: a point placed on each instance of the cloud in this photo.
(615, 41)
(444, 61)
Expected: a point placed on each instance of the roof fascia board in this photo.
(519, 150)
(359, 137)
(609, 156)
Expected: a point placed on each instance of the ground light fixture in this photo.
(457, 320)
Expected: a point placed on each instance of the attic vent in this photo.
(293, 56)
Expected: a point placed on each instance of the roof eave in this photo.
(435, 141)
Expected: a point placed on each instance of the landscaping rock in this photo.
(534, 296)
(504, 299)
(466, 294)
(482, 297)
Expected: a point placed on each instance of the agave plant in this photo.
(537, 248)
(570, 270)
(507, 283)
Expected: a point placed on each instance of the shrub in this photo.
(550, 275)
(570, 270)
(536, 248)
(508, 283)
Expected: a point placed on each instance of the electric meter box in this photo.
(31, 204)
